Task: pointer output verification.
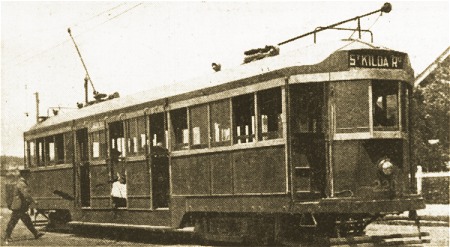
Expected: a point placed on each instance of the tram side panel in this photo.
(251, 171)
(138, 185)
(100, 186)
(53, 189)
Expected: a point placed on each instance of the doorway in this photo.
(83, 161)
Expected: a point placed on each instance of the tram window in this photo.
(199, 126)
(31, 150)
(405, 106)
(98, 144)
(180, 130)
(40, 152)
(351, 106)
(137, 138)
(269, 114)
(49, 150)
(307, 102)
(385, 104)
(244, 118)
(117, 139)
(59, 148)
(142, 135)
(68, 147)
(158, 130)
(220, 123)
(82, 146)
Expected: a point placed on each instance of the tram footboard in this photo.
(415, 239)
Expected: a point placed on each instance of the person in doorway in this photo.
(20, 204)
(119, 192)
(115, 155)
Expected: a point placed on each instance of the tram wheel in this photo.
(58, 219)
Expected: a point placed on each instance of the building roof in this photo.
(432, 67)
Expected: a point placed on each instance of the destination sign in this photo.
(379, 59)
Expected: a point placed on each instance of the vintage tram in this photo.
(310, 143)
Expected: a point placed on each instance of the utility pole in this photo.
(37, 106)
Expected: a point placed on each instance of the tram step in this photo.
(130, 226)
(40, 222)
(382, 240)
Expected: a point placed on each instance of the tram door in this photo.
(83, 161)
(160, 179)
(308, 148)
(159, 162)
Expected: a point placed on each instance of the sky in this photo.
(130, 47)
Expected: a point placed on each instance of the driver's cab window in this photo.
(385, 105)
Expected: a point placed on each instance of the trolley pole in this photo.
(86, 97)
(37, 106)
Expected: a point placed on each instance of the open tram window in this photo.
(307, 103)
(31, 153)
(180, 129)
(385, 105)
(220, 123)
(244, 118)
(199, 126)
(98, 144)
(269, 114)
(82, 146)
(59, 148)
(68, 147)
(158, 130)
(40, 156)
(49, 150)
(117, 140)
(137, 139)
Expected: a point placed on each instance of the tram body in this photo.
(310, 139)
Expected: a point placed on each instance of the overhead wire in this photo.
(106, 11)
(59, 27)
(79, 34)
(110, 19)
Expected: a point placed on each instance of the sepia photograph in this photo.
(225, 123)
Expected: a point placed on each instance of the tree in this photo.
(10, 161)
(430, 119)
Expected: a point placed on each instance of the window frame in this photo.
(260, 106)
(136, 136)
(396, 85)
(224, 135)
(249, 124)
(202, 124)
(118, 140)
(179, 121)
(31, 153)
(158, 127)
(98, 136)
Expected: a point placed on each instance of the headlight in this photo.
(386, 166)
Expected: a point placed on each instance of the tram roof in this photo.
(310, 55)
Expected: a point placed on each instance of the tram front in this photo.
(370, 148)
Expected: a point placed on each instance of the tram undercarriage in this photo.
(300, 230)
